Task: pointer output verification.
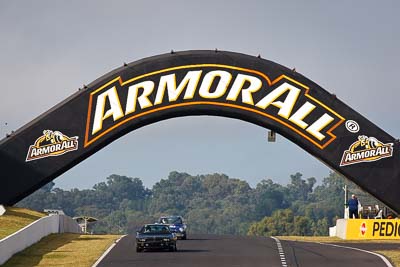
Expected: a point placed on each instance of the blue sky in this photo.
(49, 49)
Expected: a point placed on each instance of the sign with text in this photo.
(198, 83)
(373, 229)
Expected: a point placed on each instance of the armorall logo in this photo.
(50, 144)
(283, 99)
(366, 149)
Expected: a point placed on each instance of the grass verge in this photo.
(16, 218)
(63, 250)
(392, 255)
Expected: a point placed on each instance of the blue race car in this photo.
(176, 225)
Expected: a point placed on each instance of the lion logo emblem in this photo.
(50, 144)
(366, 149)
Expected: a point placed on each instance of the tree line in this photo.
(212, 203)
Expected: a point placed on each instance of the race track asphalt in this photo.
(221, 251)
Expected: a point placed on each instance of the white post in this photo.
(86, 219)
(346, 215)
(2, 210)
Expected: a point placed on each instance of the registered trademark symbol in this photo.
(352, 126)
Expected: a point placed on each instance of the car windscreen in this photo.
(155, 229)
(171, 220)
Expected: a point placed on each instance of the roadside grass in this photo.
(392, 255)
(16, 218)
(325, 239)
(329, 239)
(63, 250)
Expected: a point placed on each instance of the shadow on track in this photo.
(178, 251)
(192, 250)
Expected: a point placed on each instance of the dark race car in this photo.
(176, 225)
(155, 236)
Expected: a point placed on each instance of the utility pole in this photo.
(2, 208)
(345, 200)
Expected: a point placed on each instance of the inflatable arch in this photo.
(200, 83)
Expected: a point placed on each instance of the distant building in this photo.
(54, 212)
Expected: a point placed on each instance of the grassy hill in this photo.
(63, 250)
(16, 218)
(55, 249)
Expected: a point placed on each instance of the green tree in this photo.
(300, 189)
(268, 197)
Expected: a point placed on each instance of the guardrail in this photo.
(35, 231)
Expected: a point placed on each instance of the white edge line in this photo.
(385, 260)
(280, 249)
(107, 251)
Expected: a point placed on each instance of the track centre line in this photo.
(385, 260)
(281, 252)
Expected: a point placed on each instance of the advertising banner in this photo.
(373, 229)
(192, 83)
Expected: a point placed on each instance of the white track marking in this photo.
(107, 251)
(386, 261)
(280, 250)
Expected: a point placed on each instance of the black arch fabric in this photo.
(200, 83)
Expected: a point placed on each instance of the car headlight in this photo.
(142, 240)
(181, 229)
(166, 239)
